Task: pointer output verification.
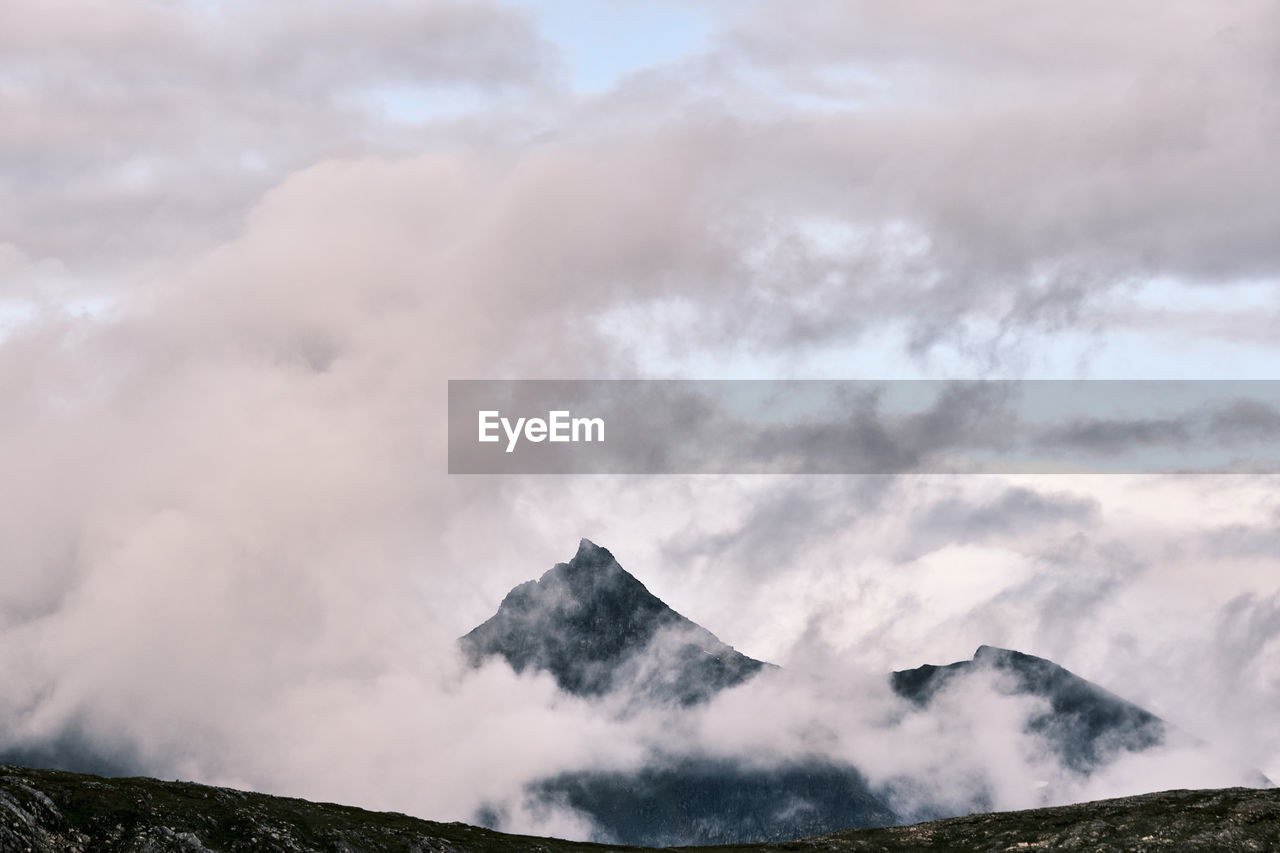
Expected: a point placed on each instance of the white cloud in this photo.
(230, 545)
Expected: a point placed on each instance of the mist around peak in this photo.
(722, 748)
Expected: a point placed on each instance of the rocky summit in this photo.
(597, 630)
(45, 811)
(600, 632)
(1083, 724)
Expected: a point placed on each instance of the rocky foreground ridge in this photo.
(47, 811)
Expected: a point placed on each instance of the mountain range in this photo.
(600, 633)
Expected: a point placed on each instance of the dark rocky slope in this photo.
(1230, 820)
(699, 800)
(1084, 724)
(597, 630)
(44, 811)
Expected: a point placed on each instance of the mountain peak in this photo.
(589, 566)
(588, 551)
(1085, 724)
(596, 628)
(1001, 658)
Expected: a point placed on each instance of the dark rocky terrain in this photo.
(1083, 724)
(682, 800)
(46, 811)
(597, 630)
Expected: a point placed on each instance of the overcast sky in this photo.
(243, 246)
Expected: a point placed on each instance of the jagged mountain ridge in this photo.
(1084, 724)
(588, 622)
(596, 629)
(46, 811)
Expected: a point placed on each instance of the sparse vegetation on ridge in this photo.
(49, 811)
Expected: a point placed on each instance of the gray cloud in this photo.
(1017, 512)
(1117, 436)
(151, 130)
(956, 202)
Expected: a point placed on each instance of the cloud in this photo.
(231, 550)
(149, 132)
(1017, 512)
